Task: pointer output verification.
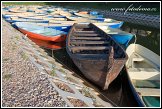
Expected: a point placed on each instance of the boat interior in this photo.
(145, 76)
(87, 40)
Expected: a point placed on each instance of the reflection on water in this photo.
(147, 37)
(119, 91)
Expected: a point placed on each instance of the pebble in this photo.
(26, 87)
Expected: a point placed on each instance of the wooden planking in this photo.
(92, 55)
(89, 42)
(144, 74)
(89, 48)
(85, 34)
(148, 91)
(88, 38)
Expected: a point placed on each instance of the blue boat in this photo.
(99, 19)
(117, 25)
(61, 28)
(6, 16)
(40, 32)
(96, 14)
(26, 20)
(112, 24)
(93, 13)
(118, 35)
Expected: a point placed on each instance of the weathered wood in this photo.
(85, 34)
(90, 48)
(89, 42)
(101, 64)
(92, 55)
(88, 38)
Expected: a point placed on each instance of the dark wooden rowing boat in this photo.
(95, 53)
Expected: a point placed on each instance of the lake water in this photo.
(119, 92)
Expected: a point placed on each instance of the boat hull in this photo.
(99, 58)
(49, 45)
(117, 25)
(122, 39)
(58, 38)
(99, 74)
(143, 70)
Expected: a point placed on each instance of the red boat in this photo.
(40, 32)
(49, 45)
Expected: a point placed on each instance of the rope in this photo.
(135, 38)
(135, 42)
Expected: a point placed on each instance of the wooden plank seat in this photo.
(85, 34)
(144, 73)
(148, 91)
(88, 38)
(73, 49)
(103, 56)
(89, 42)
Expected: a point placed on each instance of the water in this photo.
(146, 36)
(119, 91)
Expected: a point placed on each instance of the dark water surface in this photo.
(119, 91)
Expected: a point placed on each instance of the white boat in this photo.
(80, 19)
(84, 15)
(143, 69)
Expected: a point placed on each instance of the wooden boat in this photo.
(84, 15)
(65, 13)
(49, 18)
(104, 19)
(16, 10)
(69, 22)
(40, 32)
(116, 24)
(55, 19)
(58, 16)
(61, 27)
(15, 19)
(83, 12)
(8, 15)
(95, 53)
(143, 69)
(118, 35)
(76, 18)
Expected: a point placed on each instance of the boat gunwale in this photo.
(73, 29)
